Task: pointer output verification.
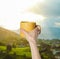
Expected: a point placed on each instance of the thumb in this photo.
(24, 31)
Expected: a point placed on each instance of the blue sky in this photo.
(51, 10)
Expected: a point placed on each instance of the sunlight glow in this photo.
(15, 23)
(23, 5)
(28, 16)
(14, 11)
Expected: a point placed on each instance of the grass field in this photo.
(17, 52)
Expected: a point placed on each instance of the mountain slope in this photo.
(8, 37)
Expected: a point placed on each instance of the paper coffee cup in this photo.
(28, 26)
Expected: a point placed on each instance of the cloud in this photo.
(48, 8)
(51, 25)
(50, 22)
(57, 24)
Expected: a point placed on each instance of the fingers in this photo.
(37, 29)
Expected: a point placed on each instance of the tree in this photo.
(8, 48)
(45, 51)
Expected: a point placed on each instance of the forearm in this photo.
(34, 51)
(31, 36)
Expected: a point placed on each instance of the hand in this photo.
(32, 35)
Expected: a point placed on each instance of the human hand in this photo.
(32, 35)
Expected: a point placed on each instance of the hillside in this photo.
(8, 37)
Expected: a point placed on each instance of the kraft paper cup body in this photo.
(28, 26)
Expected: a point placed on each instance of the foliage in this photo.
(25, 53)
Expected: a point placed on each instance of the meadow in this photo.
(15, 53)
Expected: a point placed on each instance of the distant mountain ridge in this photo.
(47, 33)
(7, 32)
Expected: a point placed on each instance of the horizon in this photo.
(44, 35)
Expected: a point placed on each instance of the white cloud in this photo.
(57, 24)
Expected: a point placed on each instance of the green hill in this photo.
(8, 37)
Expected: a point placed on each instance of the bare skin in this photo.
(31, 37)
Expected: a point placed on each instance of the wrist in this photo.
(33, 43)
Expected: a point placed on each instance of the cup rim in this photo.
(28, 22)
